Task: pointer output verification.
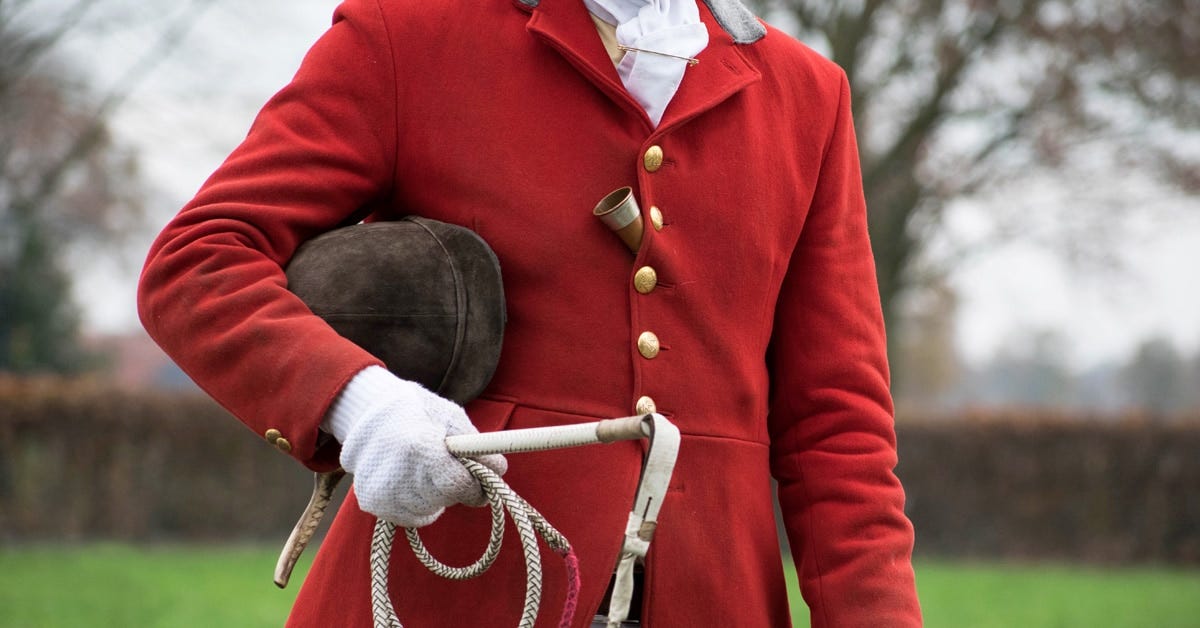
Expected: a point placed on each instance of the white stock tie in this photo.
(669, 27)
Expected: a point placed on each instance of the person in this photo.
(748, 315)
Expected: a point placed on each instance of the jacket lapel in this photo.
(565, 26)
(722, 71)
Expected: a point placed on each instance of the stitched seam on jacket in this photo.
(395, 99)
(811, 547)
(737, 439)
(810, 541)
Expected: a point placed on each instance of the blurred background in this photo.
(1032, 171)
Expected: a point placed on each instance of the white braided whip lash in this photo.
(500, 497)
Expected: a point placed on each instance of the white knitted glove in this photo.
(393, 434)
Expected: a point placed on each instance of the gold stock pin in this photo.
(690, 60)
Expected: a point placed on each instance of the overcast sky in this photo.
(199, 101)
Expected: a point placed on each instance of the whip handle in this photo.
(544, 438)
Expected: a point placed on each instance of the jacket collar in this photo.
(723, 70)
(739, 22)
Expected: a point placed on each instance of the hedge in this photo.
(82, 461)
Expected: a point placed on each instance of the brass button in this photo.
(656, 217)
(272, 435)
(648, 345)
(645, 405)
(653, 158)
(645, 279)
(283, 445)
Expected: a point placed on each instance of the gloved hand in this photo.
(393, 435)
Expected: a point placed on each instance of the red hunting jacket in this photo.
(510, 119)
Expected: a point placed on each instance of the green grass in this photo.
(156, 587)
(1051, 596)
(181, 587)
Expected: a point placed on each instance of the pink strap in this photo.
(573, 583)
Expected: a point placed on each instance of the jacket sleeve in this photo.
(833, 445)
(213, 293)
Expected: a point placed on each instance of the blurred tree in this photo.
(62, 183)
(1192, 384)
(1030, 370)
(927, 369)
(959, 98)
(65, 185)
(1156, 378)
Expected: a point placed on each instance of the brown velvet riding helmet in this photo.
(423, 296)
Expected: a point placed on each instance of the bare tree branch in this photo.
(95, 131)
(957, 99)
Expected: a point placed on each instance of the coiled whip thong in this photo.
(657, 465)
